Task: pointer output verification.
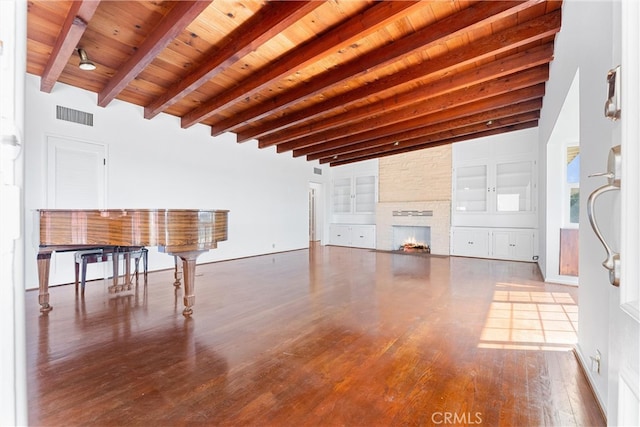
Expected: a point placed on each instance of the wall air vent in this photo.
(76, 116)
(317, 171)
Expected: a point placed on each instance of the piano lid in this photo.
(170, 229)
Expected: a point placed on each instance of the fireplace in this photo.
(411, 238)
(429, 215)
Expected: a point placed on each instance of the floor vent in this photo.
(76, 116)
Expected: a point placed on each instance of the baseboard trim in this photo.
(582, 363)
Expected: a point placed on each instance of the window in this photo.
(572, 186)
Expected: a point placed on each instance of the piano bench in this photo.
(111, 253)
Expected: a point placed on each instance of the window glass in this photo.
(572, 185)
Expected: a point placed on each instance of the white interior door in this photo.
(76, 174)
(312, 214)
(316, 217)
(624, 350)
(76, 179)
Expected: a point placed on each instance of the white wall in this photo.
(156, 164)
(587, 42)
(566, 132)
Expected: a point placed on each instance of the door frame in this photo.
(317, 189)
(624, 320)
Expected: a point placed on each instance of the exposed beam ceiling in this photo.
(337, 82)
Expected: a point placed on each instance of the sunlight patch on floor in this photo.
(530, 321)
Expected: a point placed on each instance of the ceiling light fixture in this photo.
(85, 62)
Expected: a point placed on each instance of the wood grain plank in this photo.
(399, 150)
(426, 136)
(326, 336)
(67, 42)
(271, 132)
(360, 26)
(426, 92)
(508, 84)
(257, 30)
(421, 127)
(481, 13)
(167, 30)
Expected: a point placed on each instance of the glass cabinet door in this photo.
(342, 195)
(471, 188)
(365, 194)
(514, 187)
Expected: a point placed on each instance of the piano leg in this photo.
(189, 275)
(44, 260)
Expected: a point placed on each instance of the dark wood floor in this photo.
(329, 336)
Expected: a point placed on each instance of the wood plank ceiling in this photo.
(336, 81)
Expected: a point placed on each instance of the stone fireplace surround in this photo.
(439, 223)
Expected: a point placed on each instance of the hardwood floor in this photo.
(328, 336)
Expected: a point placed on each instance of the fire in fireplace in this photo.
(412, 245)
(411, 239)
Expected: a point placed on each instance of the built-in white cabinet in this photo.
(354, 195)
(353, 200)
(355, 235)
(513, 244)
(495, 193)
(470, 242)
(500, 243)
(494, 197)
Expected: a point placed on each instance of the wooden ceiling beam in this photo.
(476, 15)
(451, 81)
(358, 27)
(336, 148)
(505, 41)
(182, 14)
(261, 27)
(524, 79)
(72, 30)
(430, 137)
(391, 152)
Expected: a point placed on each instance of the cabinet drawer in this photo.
(339, 235)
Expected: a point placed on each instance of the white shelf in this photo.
(354, 195)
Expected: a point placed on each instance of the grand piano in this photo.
(185, 233)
